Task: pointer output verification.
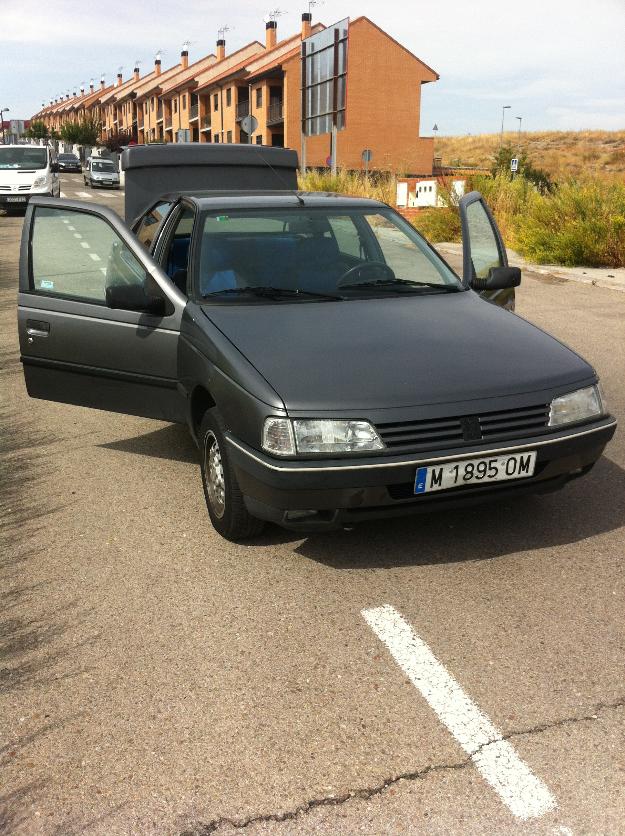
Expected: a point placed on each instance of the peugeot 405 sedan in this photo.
(329, 363)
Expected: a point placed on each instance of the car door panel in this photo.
(83, 352)
(482, 247)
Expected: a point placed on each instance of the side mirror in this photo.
(132, 297)
(54, 168)
(499, 278)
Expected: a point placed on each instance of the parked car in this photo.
(330, 365)
(101, 172)
(69, 162)
(27, 170)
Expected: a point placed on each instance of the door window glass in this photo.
(347, 236)
(403, 255)
(77, 255)
(482, 240)
(150, 223)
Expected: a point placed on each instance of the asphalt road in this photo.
(458, 673)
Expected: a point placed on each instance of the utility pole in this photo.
(520, 118)
(2, 112)
(503, 115)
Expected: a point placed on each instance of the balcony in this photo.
(194, 112)
(206, 122)
(275, 113)
(243, 109)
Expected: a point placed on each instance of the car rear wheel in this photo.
(224, 499)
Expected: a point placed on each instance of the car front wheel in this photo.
(224, 499)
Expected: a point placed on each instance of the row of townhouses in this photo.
(207, 101)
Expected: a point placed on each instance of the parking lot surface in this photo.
(454, 673)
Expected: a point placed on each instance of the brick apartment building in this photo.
(206, 101)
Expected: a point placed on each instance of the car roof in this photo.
(284, 199)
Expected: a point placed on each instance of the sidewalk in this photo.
(612, 278)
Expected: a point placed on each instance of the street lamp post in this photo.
(520, 118)
(2, 112)
(503, 114)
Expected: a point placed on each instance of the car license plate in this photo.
(475, 472)
(19, 199)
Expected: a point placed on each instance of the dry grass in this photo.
(354, 183)
(562, 154)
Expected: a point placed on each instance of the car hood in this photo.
(395, 351)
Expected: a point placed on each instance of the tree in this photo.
(38, 130)
(118, 140)
(501, 165)
(84, 132)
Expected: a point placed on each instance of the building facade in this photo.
(209, 100)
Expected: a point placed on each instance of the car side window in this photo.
(78, 255)
(347, 236)
(484, 248)
(175, 255)
(150, 223)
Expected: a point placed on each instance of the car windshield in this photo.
(72, 158)
(307, 253)
(23, 159)
(102, 165)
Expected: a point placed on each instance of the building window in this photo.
(152, 104)
(228, 96)
(259, 97)
(259, 140)
(175, 105)
(184, 101)
(216, 139)
(229, 136)
(145, 107)
(216, 102)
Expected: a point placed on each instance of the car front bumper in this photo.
(341, 492)
(8, 199)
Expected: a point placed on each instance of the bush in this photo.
(438, 224)
(578, 224)
(377, 185)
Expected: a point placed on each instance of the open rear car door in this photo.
(98, 319)
(484, 260)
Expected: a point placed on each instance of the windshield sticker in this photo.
(46, 284)
(219, 218)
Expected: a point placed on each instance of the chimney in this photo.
(67, 96)
(135, 73)
(306, 25)
(157, 64)
(119, 80)
(91, 86)
(82, 90)
(221, 49)
(271, 33)
(184, 59)
(102, 83)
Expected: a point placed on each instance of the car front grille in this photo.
(24, 188)
(437, 433)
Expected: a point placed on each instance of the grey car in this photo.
(102, 173)
(331, 367)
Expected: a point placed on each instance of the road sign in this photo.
(249, 124)
(514, 164)
(367, 155)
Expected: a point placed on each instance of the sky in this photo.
(559, 64)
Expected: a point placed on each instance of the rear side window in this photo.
(150, 223)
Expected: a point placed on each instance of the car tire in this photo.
(224, 499)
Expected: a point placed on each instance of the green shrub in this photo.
(438, 224)
(577, 224)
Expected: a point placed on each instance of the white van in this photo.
(27, 170)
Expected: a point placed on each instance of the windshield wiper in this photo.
(270, 292)
(401, 285)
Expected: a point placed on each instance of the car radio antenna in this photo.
(294, 192)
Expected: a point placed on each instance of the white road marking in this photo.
(94, 256)
(524, 794)
(77, 235)
(62, 194)
(65, 221)
(82, 194)
(85, 245)
(103, 271)
(71, 228)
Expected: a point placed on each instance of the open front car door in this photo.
(98, 319)
(484, 258)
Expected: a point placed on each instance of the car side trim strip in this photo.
(95, 371)
(423, 460)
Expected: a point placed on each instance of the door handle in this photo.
(37, 328)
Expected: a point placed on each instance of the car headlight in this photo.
(283, 437)
(39, 181)
(576, 406)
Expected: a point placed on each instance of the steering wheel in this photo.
(366, 265)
